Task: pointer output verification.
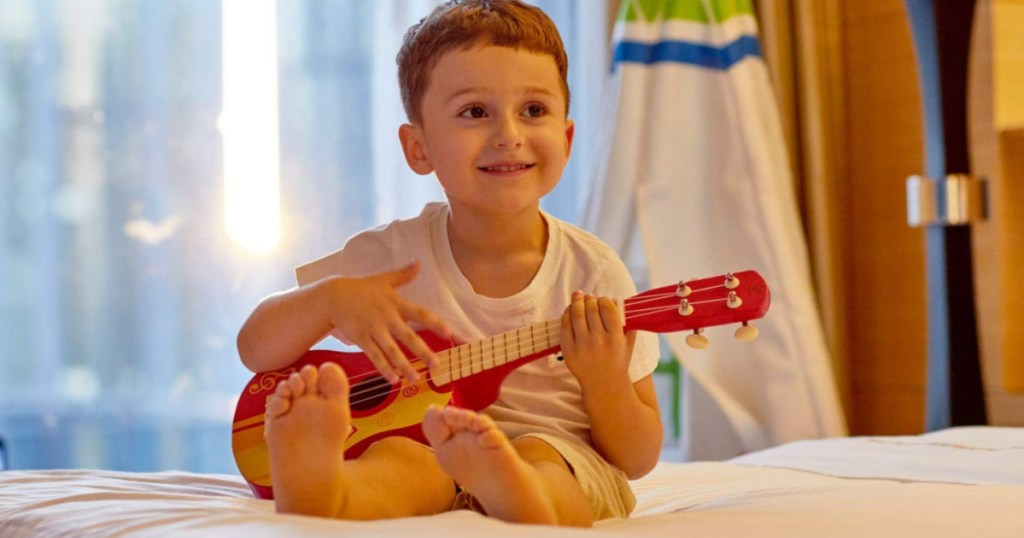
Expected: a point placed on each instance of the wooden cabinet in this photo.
(884, 258)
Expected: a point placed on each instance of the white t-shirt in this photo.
(542, 396)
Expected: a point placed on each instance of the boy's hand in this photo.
(595, 348)
(375, 318)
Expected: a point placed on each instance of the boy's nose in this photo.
(508, 133)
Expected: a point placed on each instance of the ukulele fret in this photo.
(438, 374)
(457, 372)
(551, 329)
(489, 358)
(463, 363)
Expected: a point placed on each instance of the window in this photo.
(121, 291)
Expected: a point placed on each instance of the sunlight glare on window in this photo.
(249, 123)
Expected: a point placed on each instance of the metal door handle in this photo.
(959, 199)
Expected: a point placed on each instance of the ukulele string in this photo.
(540, 330)
(543, 330)
(632, 314)
(549, 328)
(638, 299)
(637, 312)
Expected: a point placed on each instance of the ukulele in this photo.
(470, 375)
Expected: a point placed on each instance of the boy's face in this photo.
(494, 129)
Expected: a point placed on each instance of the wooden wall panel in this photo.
(1007, 387)
(997, 154)
(985, 164)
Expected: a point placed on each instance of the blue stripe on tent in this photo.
(687, 53)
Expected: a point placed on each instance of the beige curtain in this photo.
(800, 41)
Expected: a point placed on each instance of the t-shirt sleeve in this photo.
(646, 351)
(363, 254)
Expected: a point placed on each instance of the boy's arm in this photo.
(624, 418)
(367, 310)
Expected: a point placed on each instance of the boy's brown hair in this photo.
(463, 24)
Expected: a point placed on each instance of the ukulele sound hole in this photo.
(370, 393)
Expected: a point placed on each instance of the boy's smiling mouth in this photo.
(506, 168)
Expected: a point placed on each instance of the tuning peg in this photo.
(685, 308)
(734, 300)
(697, 340)
(746, 332)
(682, 290)
(731, 281)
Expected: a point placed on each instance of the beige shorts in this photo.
(605, 486)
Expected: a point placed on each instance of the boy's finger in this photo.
(425, 318)
(610, 315)
(593, 313)
(568, 335)
(567, 320)
(396, 357)
(415, 345)
(579, 315)
(379, 360)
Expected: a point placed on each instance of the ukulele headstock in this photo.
(695, 304)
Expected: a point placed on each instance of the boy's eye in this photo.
(534, 110)
(473, 112)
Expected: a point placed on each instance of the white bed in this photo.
(957, 482)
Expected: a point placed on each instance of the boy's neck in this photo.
(498, 255)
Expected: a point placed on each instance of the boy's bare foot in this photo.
(307, 422)
(472, 450)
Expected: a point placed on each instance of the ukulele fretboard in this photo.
(475, 357)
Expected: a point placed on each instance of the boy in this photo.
(484, 87)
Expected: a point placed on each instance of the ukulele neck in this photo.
(467, 359)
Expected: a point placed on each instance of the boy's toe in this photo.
(435, 426)
(332, 381)
(277, 406)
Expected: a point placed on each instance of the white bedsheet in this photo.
(895, 486)
(968, 455)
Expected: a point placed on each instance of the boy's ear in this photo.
(570, 132)
(411, 137)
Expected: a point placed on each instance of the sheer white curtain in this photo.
(400, 192)
(120, 292)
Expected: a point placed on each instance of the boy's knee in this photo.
(532, 449)
(419, 469)
(400, 447)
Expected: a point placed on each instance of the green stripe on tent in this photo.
(687, 10)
